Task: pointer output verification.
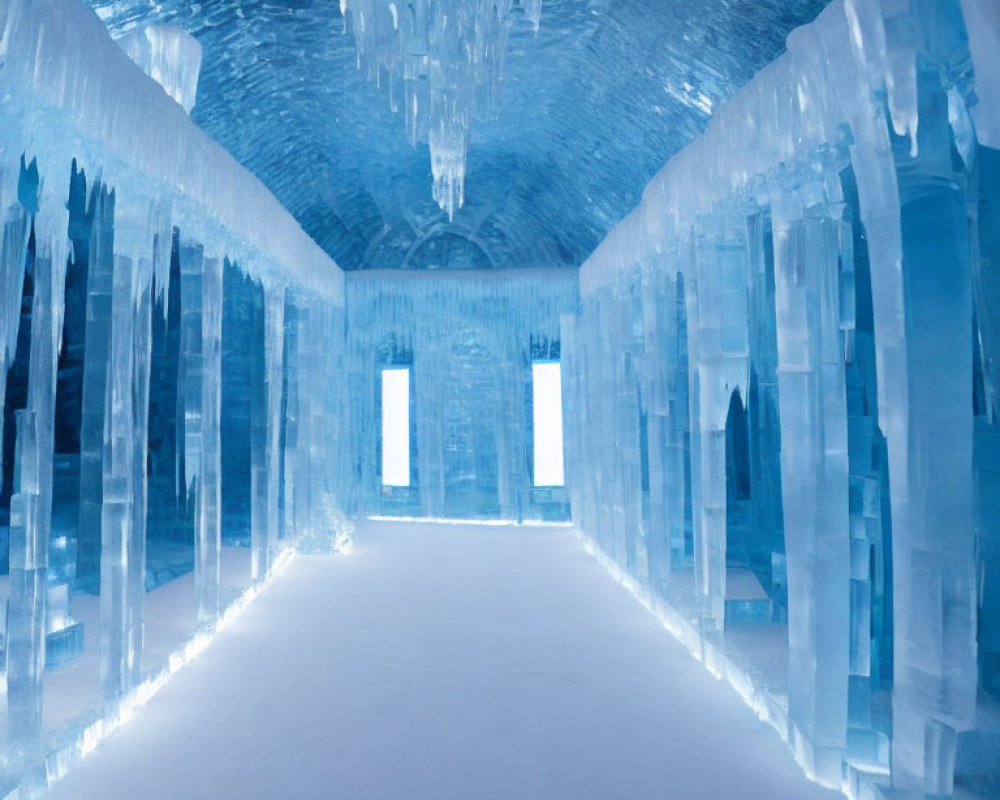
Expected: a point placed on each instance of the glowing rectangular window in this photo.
(546, 405)
(395, 427)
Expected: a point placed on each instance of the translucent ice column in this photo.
(266, 513)
(665, 392)
(123, 521)
(31, 504)
(95, 385)
(721, 364)
(117, 490)
(209, 525)
(814, 467)
(201, 334)
(16, 227)
(917, 224)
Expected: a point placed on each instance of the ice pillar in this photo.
(665, 391)
(290, 411)
(925, 366)
(16, 227)
(913, 198)
(814, 467)
(304, 469)
(209, 527)
(95, 381)
(722, 362)
(264, 543)
(201, 354)
(31, 504)
(116, 511)
(260, 551)
(123, 519)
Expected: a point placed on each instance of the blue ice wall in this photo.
(780, 403)
(163, 417)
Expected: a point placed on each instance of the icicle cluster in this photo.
(442, 60)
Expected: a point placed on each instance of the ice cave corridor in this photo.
(550, 399)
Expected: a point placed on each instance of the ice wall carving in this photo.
(781, 367)
(136, 259)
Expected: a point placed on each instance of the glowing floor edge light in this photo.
(533, 523)
(769, 707)
(62, 760)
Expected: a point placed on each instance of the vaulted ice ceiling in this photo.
(588, 110)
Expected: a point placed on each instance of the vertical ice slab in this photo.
(123, 533)
(209, 517)
(259, 551)
(117, 493)
(265, 531)
(722, 368)
(201, 334)
(31, 504)
(95, 375)
(814, 469)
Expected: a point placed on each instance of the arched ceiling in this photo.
(589, 109)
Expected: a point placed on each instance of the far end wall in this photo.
(469, 339)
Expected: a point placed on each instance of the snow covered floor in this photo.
(444, 661)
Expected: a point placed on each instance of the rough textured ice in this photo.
(588, 109)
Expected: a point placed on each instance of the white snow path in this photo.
(444, 661)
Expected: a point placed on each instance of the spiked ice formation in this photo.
(442, 60)
(847, 224)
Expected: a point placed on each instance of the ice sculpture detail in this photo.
(442, 60)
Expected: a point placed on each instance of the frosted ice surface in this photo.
(983, 17)
(170, 56)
